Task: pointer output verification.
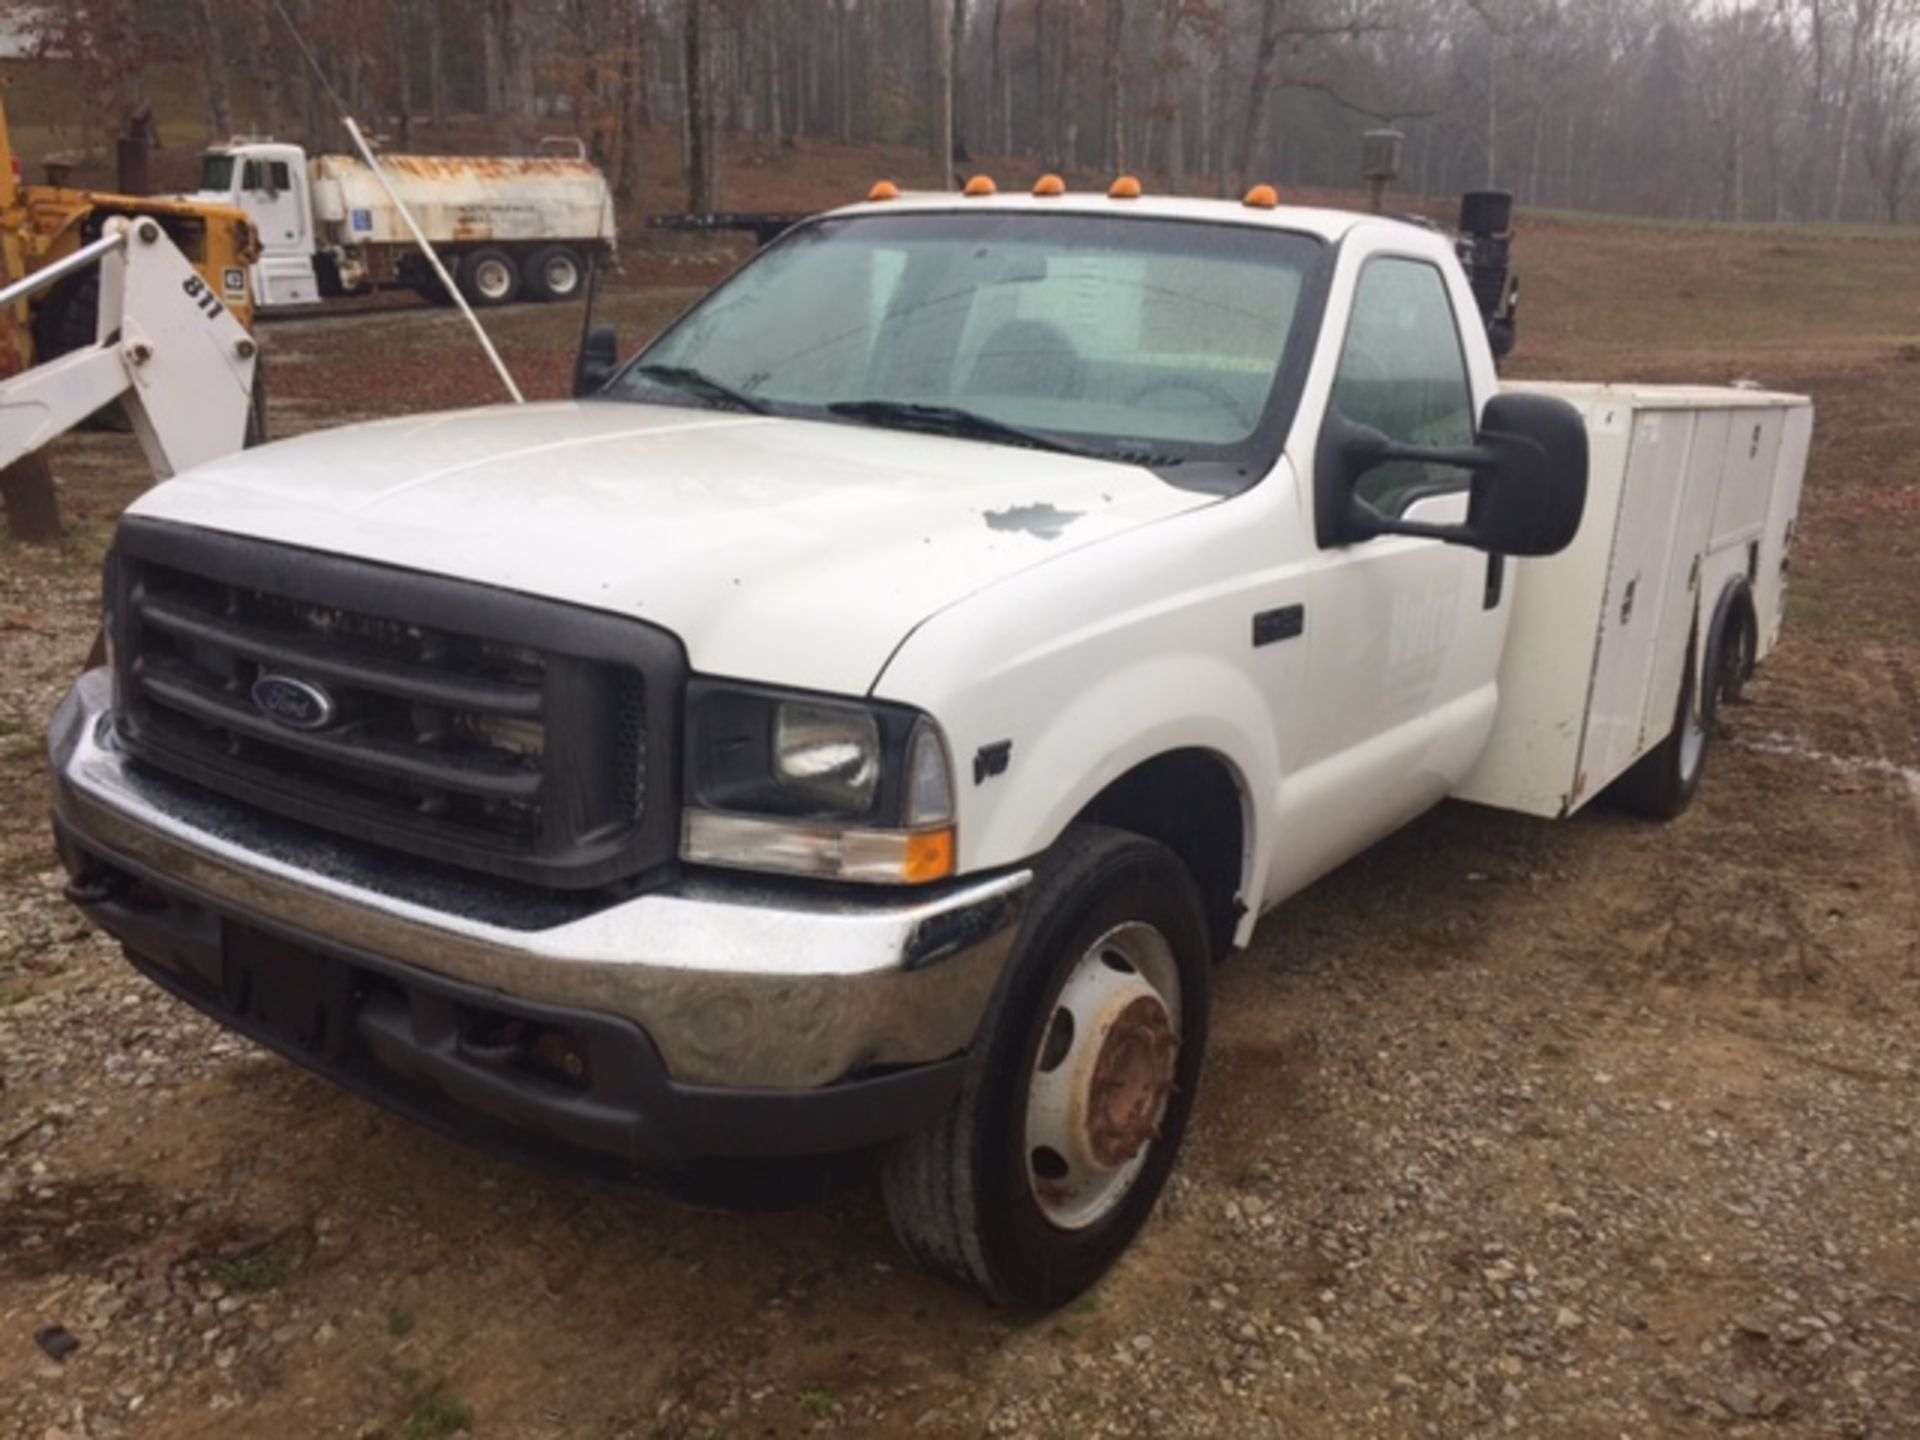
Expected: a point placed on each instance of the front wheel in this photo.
(1079, 1087)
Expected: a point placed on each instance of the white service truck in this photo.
(506, 226)
(861, 721)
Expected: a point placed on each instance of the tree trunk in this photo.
(843, 70)
(213, 61)
(956, 50)
(1001, 82)
(775, 54)
(1866, 18)
(31, 501)
(126, 53)
(521, 110)
(402, 14)
(437, 62)
(264, 57)
(1493, 107)
(940, 90)
(492, 83)
(1264, 56)
(1114, 142)
(698, 118)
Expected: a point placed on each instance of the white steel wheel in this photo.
(1104, 1074)
(490, 277)
(1662, 783)
(560, 275)
(1046, 1165)
(1693, 737)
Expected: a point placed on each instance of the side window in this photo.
(282, 179)
(1402, 372)
(250, 176)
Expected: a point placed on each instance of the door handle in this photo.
(1626, 603)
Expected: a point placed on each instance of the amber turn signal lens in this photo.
(930, 856)
(1125, 188)
(1049, 185)
(1262, 197)
(884, 190)
(981, 185)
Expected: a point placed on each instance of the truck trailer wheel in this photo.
(1079, 1086)
(489, 277)
(554, 274)
(1662, 783)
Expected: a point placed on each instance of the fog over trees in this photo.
(1726, 109)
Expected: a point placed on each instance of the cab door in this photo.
(1404, 634)
(273, 192)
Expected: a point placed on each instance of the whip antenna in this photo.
(406, 215)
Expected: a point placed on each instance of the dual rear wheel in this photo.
(492, 276)
(1663, 782)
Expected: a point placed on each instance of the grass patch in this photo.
(256, 1272)
(434, 1410)
(819, 1404)
(399, 1323)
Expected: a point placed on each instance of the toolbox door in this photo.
(1658, 459)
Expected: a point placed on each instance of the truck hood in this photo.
(788, 551)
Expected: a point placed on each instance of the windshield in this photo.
(1145, 339)
(216, 173)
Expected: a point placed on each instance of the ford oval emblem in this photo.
(297, 704)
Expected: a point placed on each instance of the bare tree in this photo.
(698, 117)
(213, 65)
(940, 87)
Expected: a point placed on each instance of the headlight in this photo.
(805, 785)
(830, 752)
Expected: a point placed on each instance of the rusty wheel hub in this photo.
(1103, 1076)
(1132, 1080)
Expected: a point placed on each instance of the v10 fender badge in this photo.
(297, 704)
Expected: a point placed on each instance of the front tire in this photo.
(1080, 1083)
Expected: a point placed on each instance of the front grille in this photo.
(514, 736)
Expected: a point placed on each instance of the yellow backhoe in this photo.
(46, 228)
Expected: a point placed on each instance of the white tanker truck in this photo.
(507, 226)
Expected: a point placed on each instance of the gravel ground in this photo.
(1582, 1129)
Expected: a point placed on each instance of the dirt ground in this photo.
(1596, 1128)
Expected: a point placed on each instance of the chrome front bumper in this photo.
(737, 983)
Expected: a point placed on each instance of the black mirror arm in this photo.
(1365, 523)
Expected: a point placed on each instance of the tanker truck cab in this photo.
(270, 182)
(860, 721)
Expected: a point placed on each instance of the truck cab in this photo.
(270, 182)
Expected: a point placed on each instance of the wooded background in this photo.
(1727, 109)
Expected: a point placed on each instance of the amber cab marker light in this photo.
(1262, 197)
(884, 190)
(1049, 185)
(1125, 188)
(981, 185)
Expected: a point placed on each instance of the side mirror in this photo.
(1529, 488)
(598, 361)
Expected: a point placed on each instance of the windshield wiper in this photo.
(698, 382)
(953, 420)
